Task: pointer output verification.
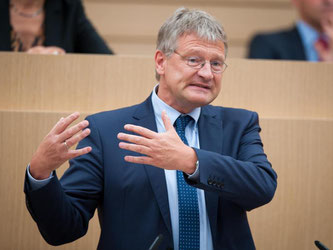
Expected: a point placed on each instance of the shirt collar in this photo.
(173, 114)
(308, 34)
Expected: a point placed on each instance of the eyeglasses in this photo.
(197, 62)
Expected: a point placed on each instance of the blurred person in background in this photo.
(310, 39)
(48, 27)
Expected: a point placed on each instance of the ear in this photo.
(160, 60)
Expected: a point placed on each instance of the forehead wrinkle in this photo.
(201, 52)
(192, 44)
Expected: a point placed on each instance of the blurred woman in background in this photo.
(48, 27)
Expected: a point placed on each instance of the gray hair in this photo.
(185, 21)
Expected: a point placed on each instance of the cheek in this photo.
(174, 75)
(218, 83)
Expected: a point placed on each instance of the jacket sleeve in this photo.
(62, 209)
(247, 180)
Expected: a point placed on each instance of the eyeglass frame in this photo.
(202, 64)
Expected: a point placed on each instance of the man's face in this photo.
(182, 86)
(314, 11)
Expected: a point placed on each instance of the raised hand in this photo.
(164, 150)
(54, 149)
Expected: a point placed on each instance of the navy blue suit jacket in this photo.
(283, 45)
(132, 199)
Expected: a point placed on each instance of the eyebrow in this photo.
(199, 52)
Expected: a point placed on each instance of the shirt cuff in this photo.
(195, 175)
(36, 184)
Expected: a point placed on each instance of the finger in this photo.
(57, 49)
(135, 148)
(68, 133)
(166, 121)
(134, 139)
(35, 50)
(77, 152)
(141, 131)
(139, 159)
(77, 138)
(54, 127)
(64, 123)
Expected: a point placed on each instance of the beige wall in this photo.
(130, 27)
(294, 101)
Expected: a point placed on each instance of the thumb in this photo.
(166, 121)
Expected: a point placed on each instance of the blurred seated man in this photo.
(172, 165)
(310, 39)
(48, 27)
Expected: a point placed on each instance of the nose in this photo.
(206, 72)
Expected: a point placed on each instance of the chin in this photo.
(200, 101)
(202, 96)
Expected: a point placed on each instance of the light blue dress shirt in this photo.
(309, 36)
(192, 136)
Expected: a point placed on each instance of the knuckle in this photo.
(140, 150)
(68, 132)
(137, 139)
(80, 125)
(82, 135)
(141, 160)
(49, 137)
(53, 140)
(69, 142)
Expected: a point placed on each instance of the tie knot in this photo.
(182, 121)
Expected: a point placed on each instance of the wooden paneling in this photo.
(293, 99)
(145, 20)
(215, 2)
(93, 83)
(132, 26)
(20, 134)
(137, 47)
(301, 212)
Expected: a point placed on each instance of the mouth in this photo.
(201, 85)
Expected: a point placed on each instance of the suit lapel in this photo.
(297, 46)
(210, 136)
(145, 117)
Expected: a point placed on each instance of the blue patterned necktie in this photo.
(189, 224)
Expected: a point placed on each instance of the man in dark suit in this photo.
(180, 167)
(310, 39)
